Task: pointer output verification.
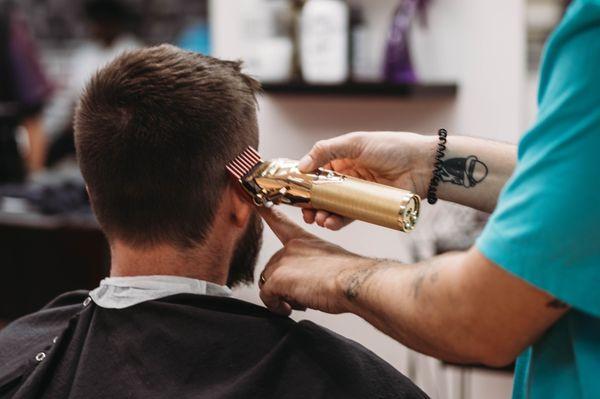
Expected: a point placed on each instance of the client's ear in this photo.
(241, 207)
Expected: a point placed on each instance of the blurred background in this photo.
(327, 66)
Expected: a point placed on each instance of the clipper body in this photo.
(280, 182)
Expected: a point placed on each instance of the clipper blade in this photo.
(243, 164)
(241, 169)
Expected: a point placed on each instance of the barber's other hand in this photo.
(307, 272)
(398, 159)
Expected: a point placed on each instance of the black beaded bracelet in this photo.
(437, 167)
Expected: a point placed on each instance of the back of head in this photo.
(154, 130)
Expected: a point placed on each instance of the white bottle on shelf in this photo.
(323, 37)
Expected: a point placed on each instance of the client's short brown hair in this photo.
(154, 130)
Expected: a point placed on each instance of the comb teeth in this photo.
(243, 163)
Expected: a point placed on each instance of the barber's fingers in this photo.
(346, 146)
(272, 300)
(282, 226)
(297, 306)
(325, 219)
(331, 221)
(309, 215)
(275, 304)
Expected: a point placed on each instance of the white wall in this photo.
(479, 44)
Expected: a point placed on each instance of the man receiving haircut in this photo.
(154, 130)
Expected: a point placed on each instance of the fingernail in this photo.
(329, 224)
(305, 163)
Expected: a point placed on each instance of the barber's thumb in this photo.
(283, 227)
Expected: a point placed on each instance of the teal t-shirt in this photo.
(546, 227)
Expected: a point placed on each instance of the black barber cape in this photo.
(185, 346)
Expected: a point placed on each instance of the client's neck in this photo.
(199, 263)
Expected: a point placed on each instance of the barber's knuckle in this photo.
(321, 148)
(320, 145)
(312, 242)
(276, 257)
(267, 291)
(275, 285)
(279, 254)
(268, 272)
(356, 143)
(354, 136)
(269, 265)
(294, 244)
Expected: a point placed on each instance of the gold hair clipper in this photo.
(280, 182)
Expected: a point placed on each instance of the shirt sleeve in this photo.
(546, 227)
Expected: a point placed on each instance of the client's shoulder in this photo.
(359, 370)
(219, 304)
(191, 312)
(295, 351)
(326, 344)
(52, 316)
(218, 308)
(29, 333)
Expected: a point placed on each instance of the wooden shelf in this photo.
(428, 90)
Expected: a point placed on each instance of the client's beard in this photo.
(243, 261)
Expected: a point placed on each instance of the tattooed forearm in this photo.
(357, 278)
(426, 271)
(557, 304)
(466, 172)
(355, 281)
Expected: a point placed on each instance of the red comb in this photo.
(243, 163)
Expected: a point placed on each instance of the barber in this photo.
(530, 286)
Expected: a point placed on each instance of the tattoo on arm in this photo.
(557, 304)
(356, 280)
(425, 271)
(466, 172)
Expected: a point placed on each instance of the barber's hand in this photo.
(307, 272)
(397, 159)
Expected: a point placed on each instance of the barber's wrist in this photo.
(352, 283)
(423, 160)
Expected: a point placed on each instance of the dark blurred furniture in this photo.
(55, 22)
(42, 256)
